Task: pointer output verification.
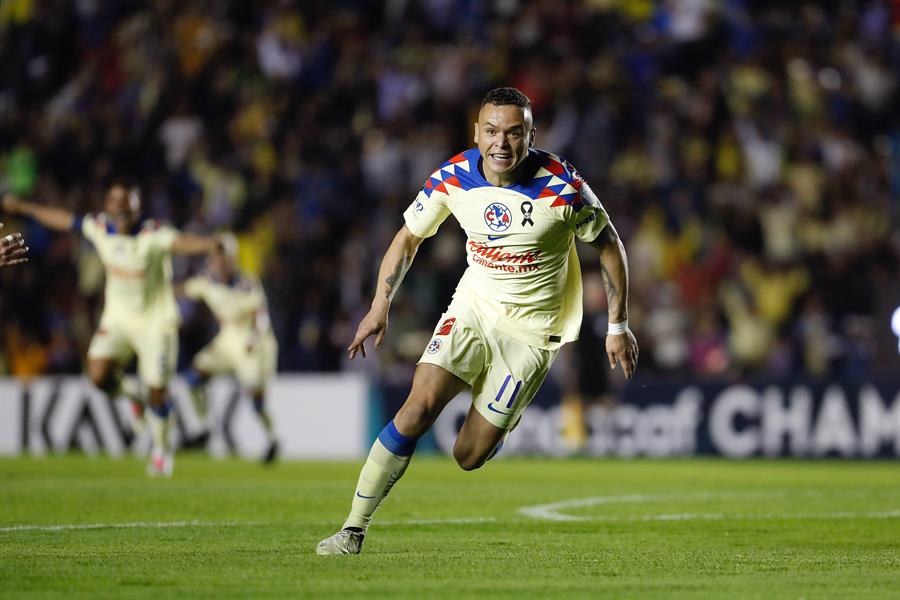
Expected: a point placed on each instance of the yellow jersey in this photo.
(239, 305)
(523, 268)
(138, 267)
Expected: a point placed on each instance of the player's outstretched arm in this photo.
(192, 243)
(12, 249)
(394, 265)
(52, 217)
(621, 346)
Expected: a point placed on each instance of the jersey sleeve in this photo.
(164, 236)
(427, 212)
(194, 287)
(89, 226)
(586, 216)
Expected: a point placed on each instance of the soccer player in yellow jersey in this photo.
(139, 314)
(516, 304)
(245, 345)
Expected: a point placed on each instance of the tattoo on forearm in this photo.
(612, 292)
(393, 280)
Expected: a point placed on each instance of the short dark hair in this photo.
(126, 183)
(503, 96)
(123, 181)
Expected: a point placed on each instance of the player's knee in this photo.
(156, 397)
(103, 380)
(468, 463)
(466, 458)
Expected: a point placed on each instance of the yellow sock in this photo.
(387, 462)
(160, 424)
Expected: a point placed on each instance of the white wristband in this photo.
(617, 328)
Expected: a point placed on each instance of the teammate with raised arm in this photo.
(139, 313)
(12, 249)
(245, 345)
(517, 303)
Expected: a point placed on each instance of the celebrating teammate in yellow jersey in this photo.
(517, 303)
(139, 314)
(245, 345)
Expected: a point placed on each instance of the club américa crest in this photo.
(497, 217)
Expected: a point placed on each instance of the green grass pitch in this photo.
(76, 527)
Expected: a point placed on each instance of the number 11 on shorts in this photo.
(515, 391)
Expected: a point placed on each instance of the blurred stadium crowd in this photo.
(748, 152)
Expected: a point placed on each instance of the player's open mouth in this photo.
(502, 158)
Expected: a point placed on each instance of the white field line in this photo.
(451, 521)
(196, 523)
(132, 525)
(554, 510)
(885, 514)
(546, 512)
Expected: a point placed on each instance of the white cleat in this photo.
(161, 465)
(343, 542)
